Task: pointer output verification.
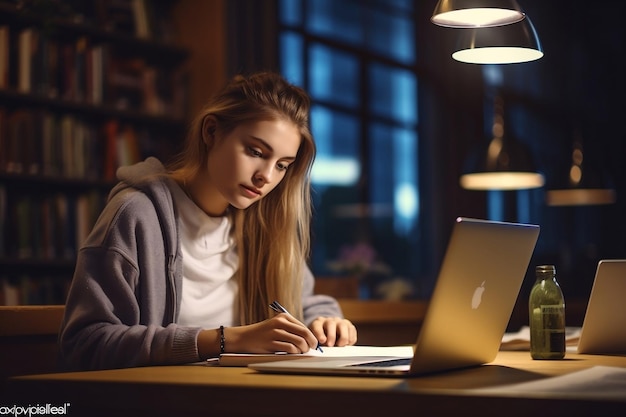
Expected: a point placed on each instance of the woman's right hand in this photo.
(281, 333)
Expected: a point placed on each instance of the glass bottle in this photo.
(546, 307)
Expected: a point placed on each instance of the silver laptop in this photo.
(604, 326)
(476, 290)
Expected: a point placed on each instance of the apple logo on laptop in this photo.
(478, 296)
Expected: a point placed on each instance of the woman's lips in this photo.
(251, 191)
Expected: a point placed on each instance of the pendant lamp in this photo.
(582, 184)
(503, 163)
(509, 44)
(476, 13)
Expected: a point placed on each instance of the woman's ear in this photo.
(209, 126)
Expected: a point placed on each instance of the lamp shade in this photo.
(510, 44)
(476, 13)
(580, 197)
(503, 163)
(582, 183)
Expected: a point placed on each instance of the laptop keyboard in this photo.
(386, 363)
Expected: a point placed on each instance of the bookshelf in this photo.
(85, 87)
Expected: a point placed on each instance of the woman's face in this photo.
(248, 163)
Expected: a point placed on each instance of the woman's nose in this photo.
(263, 176)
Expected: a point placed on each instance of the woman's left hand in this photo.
(334, 331)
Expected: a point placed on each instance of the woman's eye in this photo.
(255, 152)
(282, 167)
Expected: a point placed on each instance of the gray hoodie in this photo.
(125, 296)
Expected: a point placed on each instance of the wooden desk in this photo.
(28, 339)
(215, 391)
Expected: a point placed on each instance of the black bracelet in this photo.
(222, 340)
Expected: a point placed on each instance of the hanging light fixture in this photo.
(476, 13)
(509, 44)
(504, 164)
(584, 184)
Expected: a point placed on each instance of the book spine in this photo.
(4, 56)
(23, 231)
(3, 221)
(25, 45)
(80, 78)
(4, 141)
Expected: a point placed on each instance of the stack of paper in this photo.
(520, 340)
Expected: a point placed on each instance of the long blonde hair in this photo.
(272, 235)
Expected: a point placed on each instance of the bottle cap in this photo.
(545, 270)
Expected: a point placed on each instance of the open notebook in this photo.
(476, 290)
(388, 352)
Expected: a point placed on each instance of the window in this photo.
(357, 60)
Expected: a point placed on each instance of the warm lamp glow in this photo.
(584, 184)
(477, 13)
(580, 197)
(502, 180)
(497, 55)
(504, 164)
(510, 44)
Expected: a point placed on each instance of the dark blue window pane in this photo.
(333, 76)
(393, 174)
(393, 93)
(336, 134)
(335, 176)
(337, 138)
(291, 57)
(380, 28)
(290, 12)
(339, 20)
(400, 5)
(391, 36)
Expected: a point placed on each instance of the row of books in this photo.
(78, 70)
(39, 142)
(77, 79)
(145, 19)
(46, 226)
(26, 290)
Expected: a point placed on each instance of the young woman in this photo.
(184, 261)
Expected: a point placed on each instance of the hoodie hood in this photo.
(150, 177)
(140, 175)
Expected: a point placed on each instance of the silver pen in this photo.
(277, 307)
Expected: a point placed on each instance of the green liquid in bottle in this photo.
(546, 307)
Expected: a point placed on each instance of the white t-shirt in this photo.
(209, 264)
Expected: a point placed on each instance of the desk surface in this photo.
(209, 390)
